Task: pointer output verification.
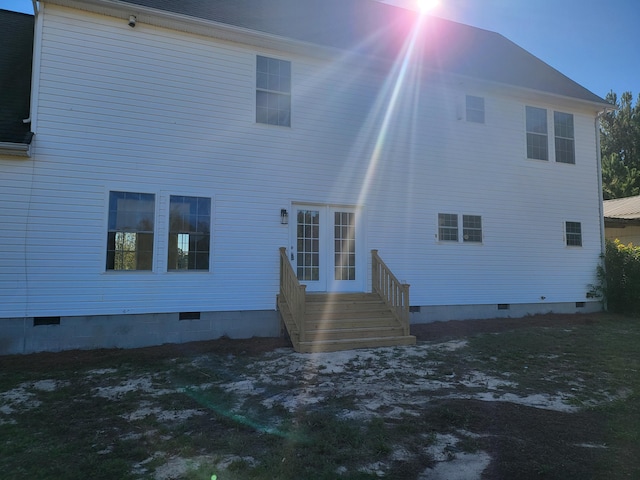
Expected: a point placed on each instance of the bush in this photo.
(620, 278)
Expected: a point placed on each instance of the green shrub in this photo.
(620, 278)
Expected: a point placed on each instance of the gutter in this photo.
(17, 149)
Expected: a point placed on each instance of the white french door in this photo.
(326, 249)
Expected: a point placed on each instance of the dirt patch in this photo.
(436, 410)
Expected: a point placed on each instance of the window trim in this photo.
(528, 132)
(257, 89)
(557, 137)
(467, 110)
(168, 232)
(108, 231)
(568, 234)
(460, 229)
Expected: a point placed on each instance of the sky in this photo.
(594, 42)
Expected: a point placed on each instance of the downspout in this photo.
(600, 204)
(35, 66)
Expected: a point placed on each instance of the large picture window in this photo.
(189, 233)
(130, 231)
(273, 91)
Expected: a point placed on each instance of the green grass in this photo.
(73, 433)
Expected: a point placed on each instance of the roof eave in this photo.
(15, 149)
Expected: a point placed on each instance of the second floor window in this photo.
(273, 91)
(474, 109)
(563, 128)
(537, 143)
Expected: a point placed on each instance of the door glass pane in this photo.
(308, 242)
(344, 246)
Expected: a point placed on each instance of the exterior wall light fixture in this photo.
(284, 217)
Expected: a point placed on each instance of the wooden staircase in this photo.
(344, 321)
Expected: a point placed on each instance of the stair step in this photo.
(347, 323)
(352, 333)
(351, 344)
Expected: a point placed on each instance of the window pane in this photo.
(472, 228)
(537, 147)
(475, 109)
(536, 120)
(574, 234)
(273, 95)
(448, 227)
(565, 151)
(189, 233)
(563, 128)
(130, 235)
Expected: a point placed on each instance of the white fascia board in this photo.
(198, 26)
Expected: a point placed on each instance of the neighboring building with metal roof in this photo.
(16, 38)
(622, 219)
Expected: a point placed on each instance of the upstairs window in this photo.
(472, 228)
(565, 144)
(537, 142)
(475, 109)
(573, 234)
(448, 227)
(130, 231)
(189, 233)
(273, 91)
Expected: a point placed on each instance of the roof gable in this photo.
(374, 28)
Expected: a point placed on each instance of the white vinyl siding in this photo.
(168, 113)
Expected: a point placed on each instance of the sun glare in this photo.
(425, 6)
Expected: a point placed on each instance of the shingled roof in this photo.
(16, 38)
(370, 27)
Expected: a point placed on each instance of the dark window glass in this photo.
(574, 234)
(189, 233)
(565, 145)
(537, 143)
(130, 235)
(273, 91)
(448, 227)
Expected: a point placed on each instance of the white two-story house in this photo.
(174, 148)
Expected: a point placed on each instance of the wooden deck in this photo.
(346, 321)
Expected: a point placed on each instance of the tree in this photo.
(620, 147)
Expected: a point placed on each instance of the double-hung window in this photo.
(565, 145)
(273, 91)
(474, 109)
(130, 231)
(449, 228)
(573, 234)
(189, 233)
(472, 228)
(537, 139)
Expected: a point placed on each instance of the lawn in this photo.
(559, 401)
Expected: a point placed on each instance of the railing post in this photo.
(394, 293)
(302, 289)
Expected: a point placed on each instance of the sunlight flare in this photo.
(426, 6)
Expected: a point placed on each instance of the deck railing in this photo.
(293, 293)
(394, 293)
